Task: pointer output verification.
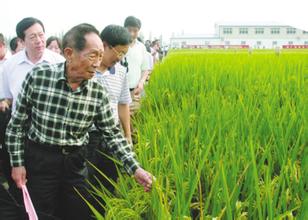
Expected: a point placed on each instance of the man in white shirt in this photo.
(32, 33)
(138, 62)
(113, 75)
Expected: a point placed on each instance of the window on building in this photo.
(259, 31)
(291, 30)
(275, 30)
(243, 31)
(306, 42)
(259, 43)
(290, 42)
(243, 42)
(274, 43)
(227, 30)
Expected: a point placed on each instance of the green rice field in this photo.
(225, 135)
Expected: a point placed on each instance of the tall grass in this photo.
(225, 134)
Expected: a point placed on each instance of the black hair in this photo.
(51, 39)
(132, 21)
(148, 48)
(115, 35)
(24, 24)
(13, 43)
(75, 37)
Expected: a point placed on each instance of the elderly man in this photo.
(61, 103)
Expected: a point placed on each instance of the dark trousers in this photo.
(52, 177)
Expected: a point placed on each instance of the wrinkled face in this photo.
(54, 46)
(35, 41)
(82, 65)
(133, 32)
(112, 55)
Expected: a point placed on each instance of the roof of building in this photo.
(254, 24)
(195, 36)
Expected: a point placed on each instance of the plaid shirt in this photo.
(61, 116)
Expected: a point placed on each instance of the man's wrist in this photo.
(140, 84)
(16, 160)
(17, 164)
(128, 137)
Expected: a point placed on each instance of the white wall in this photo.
(265, 40)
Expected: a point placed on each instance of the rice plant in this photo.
(225, 134)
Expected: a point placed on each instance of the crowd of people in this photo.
(62, 103)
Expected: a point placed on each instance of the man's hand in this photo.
(144, 178)
(138, 89)
(4, 105)
(19, 176)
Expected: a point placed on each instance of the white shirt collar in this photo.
(46, 57)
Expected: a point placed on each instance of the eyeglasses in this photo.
(94, 56)
(120, 55)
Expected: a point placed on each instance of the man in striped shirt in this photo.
(62, 103)
(113, 76)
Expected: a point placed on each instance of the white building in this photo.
(239, 35)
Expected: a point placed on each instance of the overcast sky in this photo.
(160, 17)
